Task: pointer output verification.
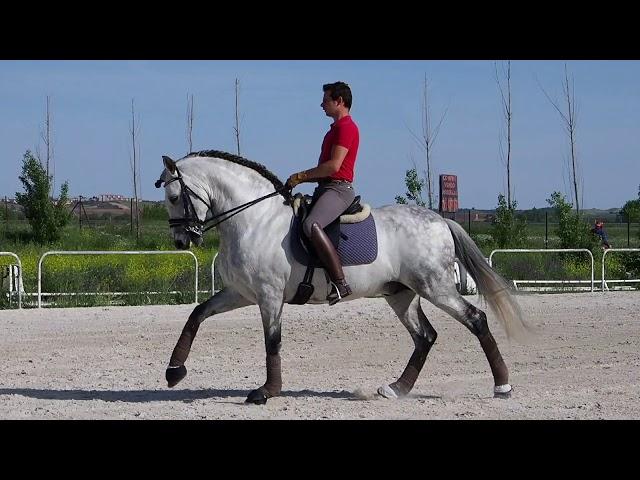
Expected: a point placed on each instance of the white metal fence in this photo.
(213, 274)
(113, 252)
(213, 291)
(19, 286)
(549, 250)
(613, 250)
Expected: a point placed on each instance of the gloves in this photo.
(295, 179)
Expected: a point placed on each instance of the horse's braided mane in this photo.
(261, 169)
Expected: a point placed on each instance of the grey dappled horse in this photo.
(416, 252)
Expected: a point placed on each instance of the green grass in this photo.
(130, 274)
(617, 233)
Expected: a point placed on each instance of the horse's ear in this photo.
(170, 164)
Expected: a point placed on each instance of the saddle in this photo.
(353, 235)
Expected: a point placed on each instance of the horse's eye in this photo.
(173, 198)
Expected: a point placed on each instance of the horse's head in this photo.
(184, 213)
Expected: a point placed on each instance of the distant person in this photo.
(598, 229)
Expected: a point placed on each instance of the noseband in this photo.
(191, 223)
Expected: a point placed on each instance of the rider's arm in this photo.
(324, 170)
(328, 168)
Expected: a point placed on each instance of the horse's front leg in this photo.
(223, 301)
(270, 309)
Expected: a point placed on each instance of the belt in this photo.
(325, 182)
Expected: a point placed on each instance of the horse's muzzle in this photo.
(182, 244)
(196, 239)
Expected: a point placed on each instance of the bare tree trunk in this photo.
(570, 124)
(506, 108)
(48, 126)
(237, 127)
(46, 137)
(428, 139)
(135, 170)
(190, 122)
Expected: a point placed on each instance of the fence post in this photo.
(546, 229)
(469, 222)
(628, 231)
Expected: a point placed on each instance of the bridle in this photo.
(191, 223)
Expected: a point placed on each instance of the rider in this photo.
(334, 174)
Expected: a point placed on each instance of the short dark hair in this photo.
(339, 89)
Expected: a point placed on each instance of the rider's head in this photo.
(336, 96)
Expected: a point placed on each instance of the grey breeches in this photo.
(331, 199)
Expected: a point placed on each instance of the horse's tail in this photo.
(495, 289)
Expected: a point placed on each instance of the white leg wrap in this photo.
(506, 388)
(387, 392)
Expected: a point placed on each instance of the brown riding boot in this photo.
(329, 257)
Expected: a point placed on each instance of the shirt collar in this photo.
(344, 119)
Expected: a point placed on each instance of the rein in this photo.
(191, 220)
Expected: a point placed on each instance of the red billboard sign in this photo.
(448, 193)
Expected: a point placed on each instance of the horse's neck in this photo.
(232, 185)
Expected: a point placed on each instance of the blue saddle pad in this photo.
(357, 243)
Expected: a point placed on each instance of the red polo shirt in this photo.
(343, 132)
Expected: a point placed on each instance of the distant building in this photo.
(108, 197)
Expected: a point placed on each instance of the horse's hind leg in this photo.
(406, 304)
(223, 301)
(476, 321)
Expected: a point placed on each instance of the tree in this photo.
(46, 217)
(572, 230)
(46, 138)
(414, 189)
(569, 119)
(508, 230)
(427, 139)
(237, 127)
(631, 210)
(135, 168)
(190, 122)
(505, 96)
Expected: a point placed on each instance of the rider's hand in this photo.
(295, 179)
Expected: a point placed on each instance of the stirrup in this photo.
(335, 296)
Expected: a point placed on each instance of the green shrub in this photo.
(572, 231)
(508, 231)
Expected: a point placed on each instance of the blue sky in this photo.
(283, 125)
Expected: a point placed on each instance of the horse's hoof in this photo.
(502, 391)
(175, 374)
(387, 392)
(257, 397)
